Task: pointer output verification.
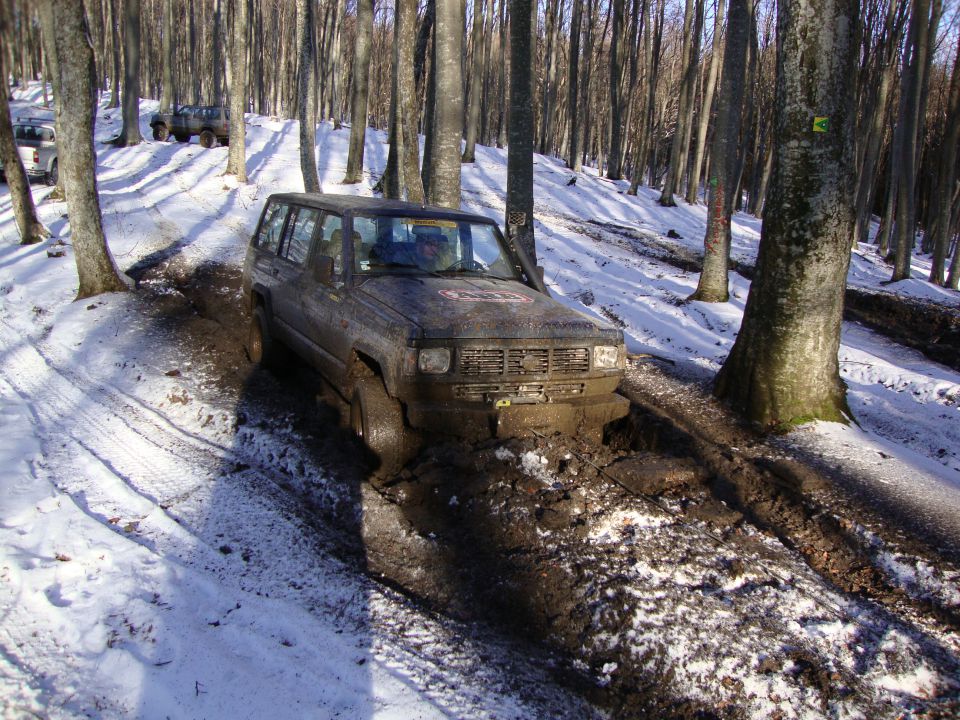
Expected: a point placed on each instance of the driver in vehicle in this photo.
(432, 250)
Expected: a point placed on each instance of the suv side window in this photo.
(299, 234)
(268, 237)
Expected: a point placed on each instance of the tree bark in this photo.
(237, 154)
(402, 177)
(166, 98)
(519, 220)
(552, 29)
(716, 56)
(615, 157)
(713, 285)
(97, 273)
(359, 96)
(448, 108)
(945, 192)
(783, 368)
(476, 84)
(306, 100)
(130, 134)
(913, 92)
(573, 97)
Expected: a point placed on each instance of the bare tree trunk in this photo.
(915, 78)
(130, 134)
(306, 101)
(166, 98)
(693, 187)
(505, 78)
(783, 368)
(448, 110)
(714, 285)
(237, 154)
(573, 97)
(407, 93)
(615, 158)
(359, 96)
(520, 149)
(114, 19)
(96, 271)
(552, 30)
(45, 12)
(476, 84)
(675, 169)
(945, 192)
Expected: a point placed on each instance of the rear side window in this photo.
(268, 236)
(300, 234)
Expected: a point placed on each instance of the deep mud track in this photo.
(687, 567)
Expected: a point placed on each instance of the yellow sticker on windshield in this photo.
(430, 222)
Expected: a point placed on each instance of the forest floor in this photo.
(703, 512)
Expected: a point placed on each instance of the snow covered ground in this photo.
(135, 582)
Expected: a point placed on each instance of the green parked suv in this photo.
(210, 122)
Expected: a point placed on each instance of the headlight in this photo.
(605, 356)
(433, 361)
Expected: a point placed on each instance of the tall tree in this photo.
(448, 109)
(945, 192)
(693, 187)
(237, 154)
(130, 133)
(678, 147)
(552, 23)
(97, 273)
(306, 100)
(402, 175)
(923, 30)
(713, 284)
(573, 97)
(520, 148)
(479, 61)
(360, 93)
(166, 96)
(614, 171)
(783, 367)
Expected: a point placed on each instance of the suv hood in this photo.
(479, 308)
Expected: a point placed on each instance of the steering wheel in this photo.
(467, 264)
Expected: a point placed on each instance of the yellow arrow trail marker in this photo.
(821, 124)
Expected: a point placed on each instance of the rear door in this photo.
(264, 271)
(292, 273)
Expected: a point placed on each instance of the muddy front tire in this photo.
(208, 139)
(377, 419)
(161, 133)
(262, 349)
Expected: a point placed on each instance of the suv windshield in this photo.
(401, 245)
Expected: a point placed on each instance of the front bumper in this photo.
(580, 415)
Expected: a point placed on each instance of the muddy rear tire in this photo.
(208, 139)
(377, 419)
(160, 133)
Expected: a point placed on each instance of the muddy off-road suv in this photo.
(210, 122)
(424, 319)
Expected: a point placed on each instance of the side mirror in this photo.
(323, 269)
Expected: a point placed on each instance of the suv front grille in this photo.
(483, 392)
(523, 361)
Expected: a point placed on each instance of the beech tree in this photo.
(520, 148)
(783, 368)
(306, 96)
(237, 154)
(713, 283)
(130, 133)
(448, 109)
(359, 94)
(96, 271)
